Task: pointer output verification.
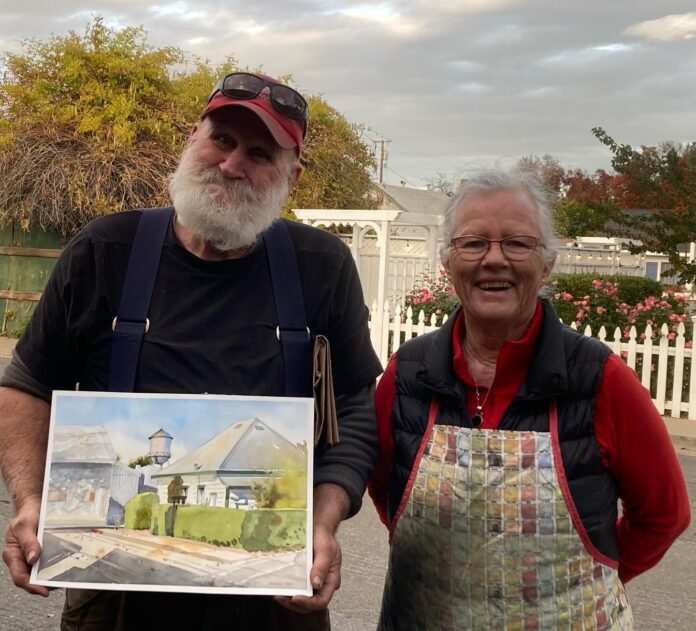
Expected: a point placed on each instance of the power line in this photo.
(401, 177)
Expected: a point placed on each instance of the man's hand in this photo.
(325, 575)
(331, 505)
(22, 548)
(24, 421)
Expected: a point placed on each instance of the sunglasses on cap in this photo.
(246, 86)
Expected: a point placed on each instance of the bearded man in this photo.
(212, 328)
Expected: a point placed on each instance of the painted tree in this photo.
(661, 181)
(175, 489)
(143, 460)
(288, 490)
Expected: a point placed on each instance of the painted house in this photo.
(224, 470)
(80, 480)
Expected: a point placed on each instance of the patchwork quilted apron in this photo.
(487, 537)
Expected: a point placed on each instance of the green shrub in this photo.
(139, 509)
(629, 289)
(433, 294)
(270, 529)
(618, 301)
(212, 524)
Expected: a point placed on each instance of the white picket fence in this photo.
(658, 362)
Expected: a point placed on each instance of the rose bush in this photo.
(595, 300)
(602, 305)
(433, 294)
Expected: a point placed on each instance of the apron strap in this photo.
(131, 323)
(433, 411)
(292, 330)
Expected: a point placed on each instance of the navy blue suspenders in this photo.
(131, 323)
(292, 330)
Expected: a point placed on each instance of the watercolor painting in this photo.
(189, 493)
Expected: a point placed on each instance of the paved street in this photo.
(662, 599)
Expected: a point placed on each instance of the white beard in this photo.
(228, 214)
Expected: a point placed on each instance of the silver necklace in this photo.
(477, 419)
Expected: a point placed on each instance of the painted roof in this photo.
(245, 446)
(82, 444)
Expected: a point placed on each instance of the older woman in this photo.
(507, 440)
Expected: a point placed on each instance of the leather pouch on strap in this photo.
(325, 419)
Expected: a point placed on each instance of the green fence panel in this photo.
(27, 259)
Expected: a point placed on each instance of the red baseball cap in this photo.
(281, 108)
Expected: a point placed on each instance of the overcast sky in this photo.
(454, 84)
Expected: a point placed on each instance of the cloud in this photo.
(183, 10)
(590, 55)
(668, 28)
(451, 82)
(382, 16)
(465, 6)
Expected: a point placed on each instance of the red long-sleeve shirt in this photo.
(633, 440)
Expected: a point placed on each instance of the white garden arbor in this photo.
(383, 244)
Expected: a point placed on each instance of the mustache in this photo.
(211, 179)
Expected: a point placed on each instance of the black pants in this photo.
(91, 610)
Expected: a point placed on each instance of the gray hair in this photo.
(493, 181)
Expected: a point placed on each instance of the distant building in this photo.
(411, 200)
(82, 465)
(224, 470)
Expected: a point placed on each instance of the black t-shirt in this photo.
(212, 323)
(212, 330)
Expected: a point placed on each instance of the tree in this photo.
(175, 490)
(586, 206)
(289, 489)
(441, 183)
(93, 123)
(575, 219)
(546, 170)
(140, 461)
(582, 203)
(337, 163)
(661, 180)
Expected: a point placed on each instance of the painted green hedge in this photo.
(269, 529)
(210, 524)
(253, 530)
(139, 510)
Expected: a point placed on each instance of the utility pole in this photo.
(383, 156)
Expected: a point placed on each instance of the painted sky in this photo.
(454, 84)
(132, 419)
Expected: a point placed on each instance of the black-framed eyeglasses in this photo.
(244, 85)
(518, 247)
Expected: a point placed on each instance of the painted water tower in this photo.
(160, 447)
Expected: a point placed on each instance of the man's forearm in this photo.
(331, 506)
(349, 463)
(24, 421)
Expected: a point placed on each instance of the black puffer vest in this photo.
(565, 365)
